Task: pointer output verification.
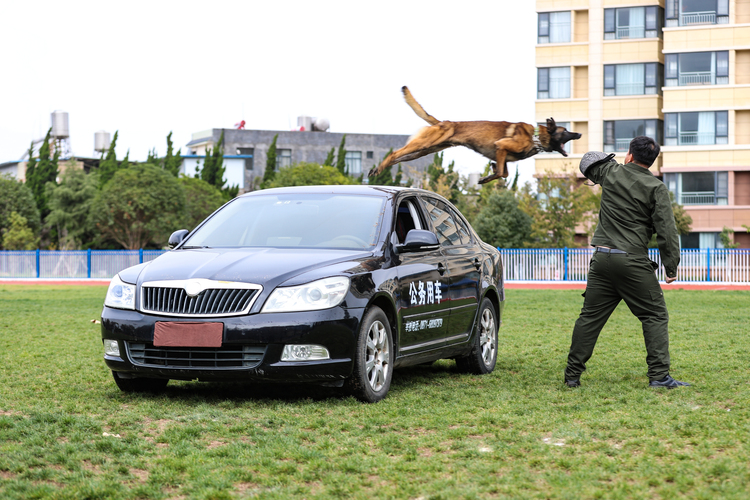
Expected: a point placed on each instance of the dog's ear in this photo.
(551, 125)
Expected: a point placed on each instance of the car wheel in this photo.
(483, 355)
(373, 358)
(139, 384)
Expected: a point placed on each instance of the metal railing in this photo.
(572, 264)
(705, 17)
(525, 264)
(692, 138)
(697, 198)
(697, 78)
(631, 32)
(70, 263)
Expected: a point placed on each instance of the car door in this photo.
(423, 283)
(464, 261)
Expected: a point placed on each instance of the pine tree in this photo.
(42, 172)
(384, 178)
(172, 162)
(31, 167)
(329, 158)
(125, 161)
(213, 166)
(341, 158)
(108, 166)
(270, 172)
(152, 158)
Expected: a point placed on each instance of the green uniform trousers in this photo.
(614, 277)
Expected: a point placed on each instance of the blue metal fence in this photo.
(527, 264)
(70, 263)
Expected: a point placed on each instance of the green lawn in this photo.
(67, 432)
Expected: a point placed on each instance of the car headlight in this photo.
(321, 294)
(120, 295)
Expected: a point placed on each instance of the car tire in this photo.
(373, 358)
(139, 384)
(483, 356)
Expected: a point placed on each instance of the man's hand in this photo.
(670, 280)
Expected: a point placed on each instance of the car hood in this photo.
(268, 267)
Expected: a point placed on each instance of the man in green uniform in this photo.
(635, 204)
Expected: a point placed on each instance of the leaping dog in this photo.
(501, 142)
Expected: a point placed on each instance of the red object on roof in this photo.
(240, 125)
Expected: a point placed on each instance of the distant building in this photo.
(677, 71)
(245, 152)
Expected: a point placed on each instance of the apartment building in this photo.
(675, 70)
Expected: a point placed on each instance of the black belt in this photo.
(610, 250)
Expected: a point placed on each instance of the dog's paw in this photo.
(487, 179)
(373, 172)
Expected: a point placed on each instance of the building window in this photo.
(283, 158)
(699, 188)
(567, 147)
(369, 155)
(553, 83)
(353, 161)
(691, 12)
(553, 27)
(697, 128)
(247, 152)
(632, 22)
(633, 79)
(697, 68)
(619, 133)
(701, 240)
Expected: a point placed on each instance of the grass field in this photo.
(67, 432)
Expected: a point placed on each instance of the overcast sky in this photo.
(146, 68)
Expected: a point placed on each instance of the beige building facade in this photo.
(675, 70)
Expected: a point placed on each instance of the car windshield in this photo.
(294, 220)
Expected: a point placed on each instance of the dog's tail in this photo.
(419, 110)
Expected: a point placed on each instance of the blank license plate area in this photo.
(188, 334)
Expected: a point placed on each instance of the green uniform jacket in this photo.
(635, 204)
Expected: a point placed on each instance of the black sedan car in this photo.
(336, 285)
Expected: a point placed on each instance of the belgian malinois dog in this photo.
(501, 142)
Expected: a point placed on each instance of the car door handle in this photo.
(441, 268)
(477, 263)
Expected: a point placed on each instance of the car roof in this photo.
(357, 189)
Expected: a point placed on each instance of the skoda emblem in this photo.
(193, 288)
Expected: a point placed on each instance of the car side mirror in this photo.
(419, 240)
(177, 237)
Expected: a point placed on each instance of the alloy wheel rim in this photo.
(487, 340)
(378, 364)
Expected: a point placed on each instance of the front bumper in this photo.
(251, 346)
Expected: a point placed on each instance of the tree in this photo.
(201, 199)
(385, 178)
(558, 207)
(39, 173)
(726, 238)
(441, 181)
(502, 223)
(19, 236)
(213, 165)
(109, 165)
(173, 161)
(139, 207)
(341, 157)
(270, 172)
(16, 197)
(329, 158)
(310, 174)
(70, 204)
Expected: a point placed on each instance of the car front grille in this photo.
(209, 302)
(228, 356)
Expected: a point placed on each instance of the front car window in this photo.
(294, 220)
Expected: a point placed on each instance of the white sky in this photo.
(148, 68)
